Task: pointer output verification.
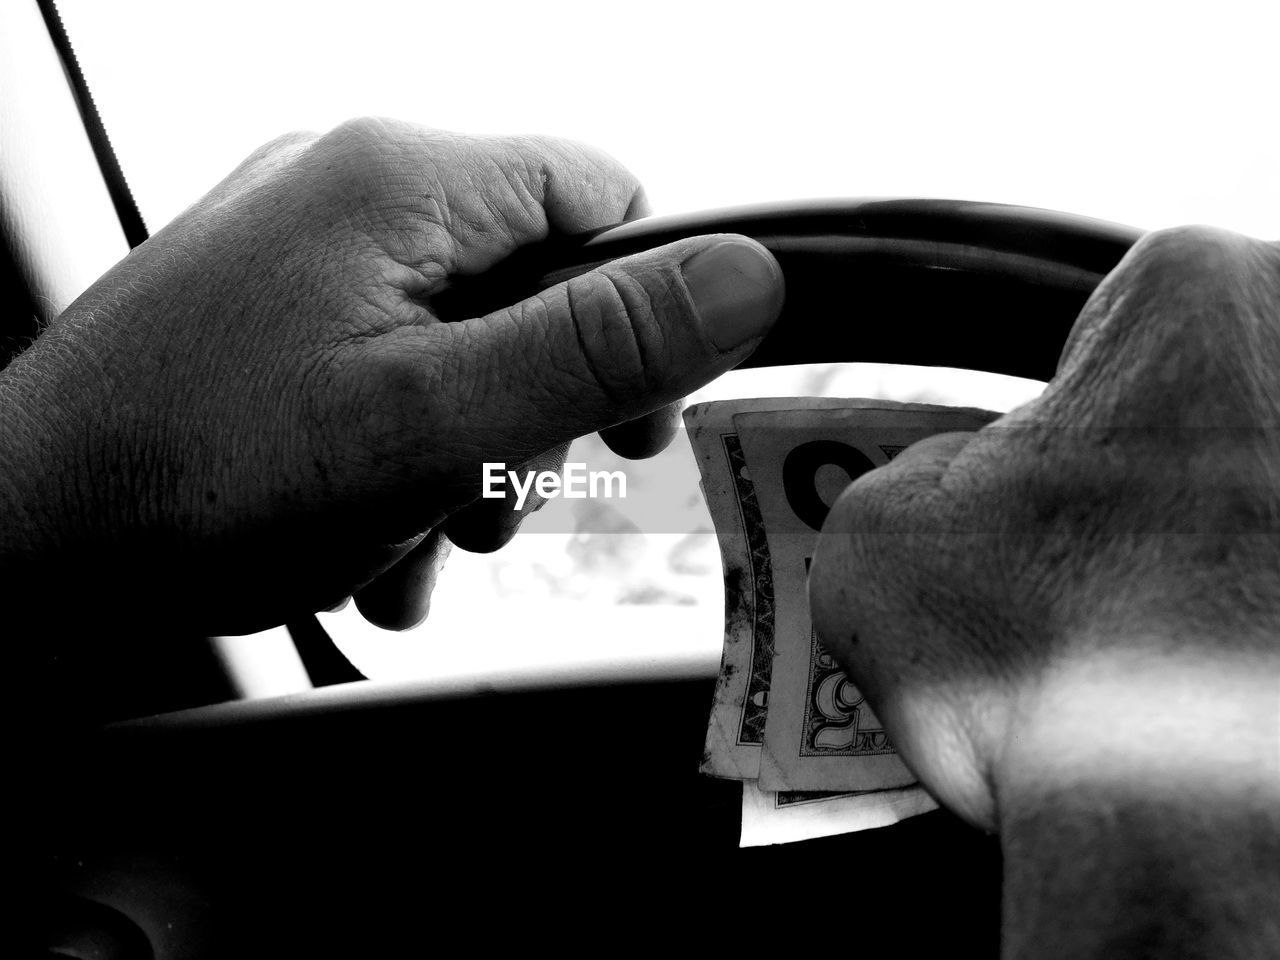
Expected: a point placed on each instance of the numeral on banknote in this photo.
(838, 719)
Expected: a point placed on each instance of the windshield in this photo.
(1150, 116)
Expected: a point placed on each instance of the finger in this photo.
(619, 342)
(894, 497)
(487, 524)
(650, 434)
(644, 436)
(638, 208)
(884, 603)
(401, 597)
(484, 196)
(268, 159)
(1182, 333)
(922, 465)
(860, 548)
(578, 186)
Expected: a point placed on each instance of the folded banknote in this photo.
(785, 718)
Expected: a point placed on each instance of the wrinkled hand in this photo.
(257, 411)
(1089, 588)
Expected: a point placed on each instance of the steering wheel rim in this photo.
(982, 286)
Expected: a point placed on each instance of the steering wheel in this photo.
(954, 283)
(384, 817)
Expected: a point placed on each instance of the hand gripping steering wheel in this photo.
(952, 283)
(508, 782)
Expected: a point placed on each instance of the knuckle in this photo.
(291, 140)
(360, 131)
(542, 153)
(1191, 247)
(617, 328)
(272, 156)
(858, 511)
(398, 400)
(1193, 271)
(283, 147)
(357, 149)
(532, 148)
(544, 161)
(1184, 331)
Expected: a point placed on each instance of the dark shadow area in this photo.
(566, 819)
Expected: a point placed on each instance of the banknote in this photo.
(735, 732)
(819, 732)
(772, 817)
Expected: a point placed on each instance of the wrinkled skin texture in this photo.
(257, 412)
(1070, 621)
(1126, 520)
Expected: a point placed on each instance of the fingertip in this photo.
(483, 530)
(400, 599)
(645, 436)
(639, 206)
(609, 345)
(580, 186)
(387, 610)
(488, 524)
(737, 288)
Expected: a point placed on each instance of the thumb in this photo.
(868, 538)
(905, 496)
(612, 344)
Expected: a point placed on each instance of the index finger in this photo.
(464, 203)
(899, 497)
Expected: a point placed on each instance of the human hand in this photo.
(1069, 622)
(257, 411)
(1009, 597)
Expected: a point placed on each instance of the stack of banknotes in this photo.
(786, 721)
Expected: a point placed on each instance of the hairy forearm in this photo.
(1147, 824)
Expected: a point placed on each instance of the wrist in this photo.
(1112, 873)
(1168, 716)
(1139, 808)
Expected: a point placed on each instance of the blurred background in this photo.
(1146, 114)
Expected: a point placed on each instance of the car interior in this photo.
(177, 817)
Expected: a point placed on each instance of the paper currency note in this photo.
(819, 732)
(735, 731)
(769, 817)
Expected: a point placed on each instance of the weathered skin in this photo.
(1070, 621)
(257, 412)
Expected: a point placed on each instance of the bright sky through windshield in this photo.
(1150, 114)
